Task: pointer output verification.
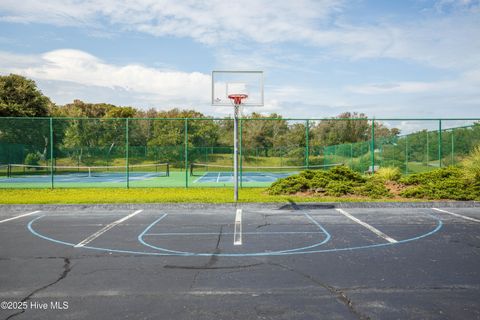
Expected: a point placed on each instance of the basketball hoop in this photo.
(240, 89)
(237, 98)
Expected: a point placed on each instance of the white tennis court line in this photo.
(369, 227)
(20, 216)
(457, 215)
(198, 179)
(237, 235)
(218, 177)
(105, 229)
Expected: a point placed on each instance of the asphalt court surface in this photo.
(294, 262)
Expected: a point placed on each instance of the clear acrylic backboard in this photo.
(227, 83)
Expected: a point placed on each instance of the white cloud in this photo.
(399, 87)
(205, 21)
(442, 41)
(84, 69)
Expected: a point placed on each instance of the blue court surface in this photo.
(111, 177)
(254, 261)
(219, 177)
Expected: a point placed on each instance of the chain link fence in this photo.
(166, 152)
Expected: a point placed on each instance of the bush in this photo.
(337, 181)
(343, 173)
(374, 188)
(444, 183)
(388, 174)
(434, 175)
(339, 188)
(289, 185)
(32, 159)
(471, 165)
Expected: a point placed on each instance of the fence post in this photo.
(51, 151)
(428, 149)
(351, 156)
(406, 154)
(372, 147)
(453, 148)
(127, 151)
(186, 152)
(440, 143)
(307, 142)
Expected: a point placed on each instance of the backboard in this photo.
(226, 83)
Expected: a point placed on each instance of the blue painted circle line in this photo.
(438, 226)
(247, 254)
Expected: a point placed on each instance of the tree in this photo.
(348, 128)
(22, 137)
(20, 97)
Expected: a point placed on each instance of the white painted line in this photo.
(457, 215)
(218, 177)
(237, 235)
(20, 216)
(105, 229)
(369, 227)
(198, 179)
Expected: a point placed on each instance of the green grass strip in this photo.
(159, 195)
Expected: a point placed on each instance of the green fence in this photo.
(107, 152)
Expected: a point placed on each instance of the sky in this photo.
(384, 58)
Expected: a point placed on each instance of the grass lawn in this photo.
(158, 195)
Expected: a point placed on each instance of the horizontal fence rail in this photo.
(198, 152)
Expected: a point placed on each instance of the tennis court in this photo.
(72, 176)
(251, 176)
(264, 261)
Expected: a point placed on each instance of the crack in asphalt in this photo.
(207, 266)
(212, 268)
(339, 294)
(66, 269)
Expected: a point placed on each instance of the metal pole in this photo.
(453, 148)
(241, 154)
(127, 154)
(235, 153)
(372, 148)
(351, 156)
(427, 149)
(406, 154)
(440, 143)
(186, 152)
(51, 150)
(307, 138)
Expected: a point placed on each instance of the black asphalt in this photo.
(295, 262)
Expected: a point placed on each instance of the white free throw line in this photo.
(105, 229)
(237, 235)
(369, 227)
(457, 215)
(20, 216)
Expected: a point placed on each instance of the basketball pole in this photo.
(235, 152)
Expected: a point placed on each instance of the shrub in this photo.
(374, 188)
(336, 182)
(434, 175)
(455, 189)
(343, 173)
(471, 165)
(289, 185)
(32, 159)
(388, 174)
(339, 188)
(444, 183)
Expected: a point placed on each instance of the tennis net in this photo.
(199, 169)
(22, 170)
(4, 170)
